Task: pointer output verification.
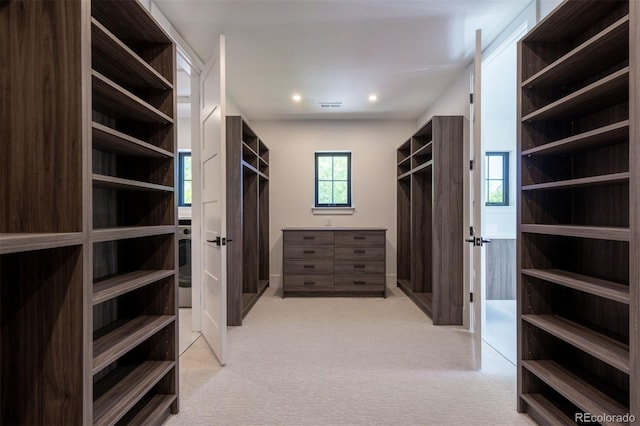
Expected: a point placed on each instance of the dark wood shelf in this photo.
(553, 28)
(111, 56)
(103, 181)
(124, 388)
(120, 233)
(425, 149)
(582, 59)
(126, 336)
(153, 411)
(110, 96)
(596, 344)
(590, 96)
(603, 136)
(596, 232)
(405, 160)
(130, 22)
(249, 166)
(249, 150)
(422, 167)
(602, 288)
(405, 175)
(19, 242)
(116, 286)
(110, 140)
(547, 410)
(577, 183)
(582, 394)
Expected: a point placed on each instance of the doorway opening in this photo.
(186, 250)
(498, 196)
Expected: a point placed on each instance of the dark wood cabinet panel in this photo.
(331, 262)
(88, 259)
(247, 220)
(577, 246)
(430, 224)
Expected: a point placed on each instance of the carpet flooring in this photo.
(345, 361)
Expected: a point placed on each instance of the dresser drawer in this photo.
(360, 283)
(355, 267)
(308, 282)
(308, 267)
(308, 237)
(311, 251)
(360, 252)
(357, 238)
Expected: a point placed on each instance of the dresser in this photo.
(331, 261)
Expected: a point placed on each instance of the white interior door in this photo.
(213, 203)
(475, 201)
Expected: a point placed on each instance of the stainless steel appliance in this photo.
(184, 263)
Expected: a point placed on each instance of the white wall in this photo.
(454, 100)
(291, 159)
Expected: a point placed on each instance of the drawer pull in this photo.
(360, 251)
(308, 238)
(309, 266)
(308, 251)
(309, 283)
(359, 282)
(359, 238)
(359, 266)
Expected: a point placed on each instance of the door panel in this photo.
(213, 205)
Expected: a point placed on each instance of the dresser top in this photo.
(333, 228)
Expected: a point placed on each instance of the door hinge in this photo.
(470, 164)
(470, 98)
(471, 297)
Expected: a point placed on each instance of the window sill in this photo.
(333, 210)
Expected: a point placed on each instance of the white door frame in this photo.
(475, 199)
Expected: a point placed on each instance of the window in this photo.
(184, 183)
(333, 179)
(497, 182)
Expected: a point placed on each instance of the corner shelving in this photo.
(429, 166)
(578, 184)
(247, 218)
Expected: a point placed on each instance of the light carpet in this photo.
(345, 361)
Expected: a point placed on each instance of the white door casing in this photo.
(213, 203)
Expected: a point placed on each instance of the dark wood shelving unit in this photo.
(247, 218)
(110, 140)
(122, 389)
(603, 288)
(430, 187)
(121, 284)
(20, 242)
(578, 226)
(579, 392)
(127, 335)
(88, 247)
(120, 62)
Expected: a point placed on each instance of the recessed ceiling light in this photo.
(373, 98)
(296, 98)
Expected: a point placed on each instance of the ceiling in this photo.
(339, 51)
